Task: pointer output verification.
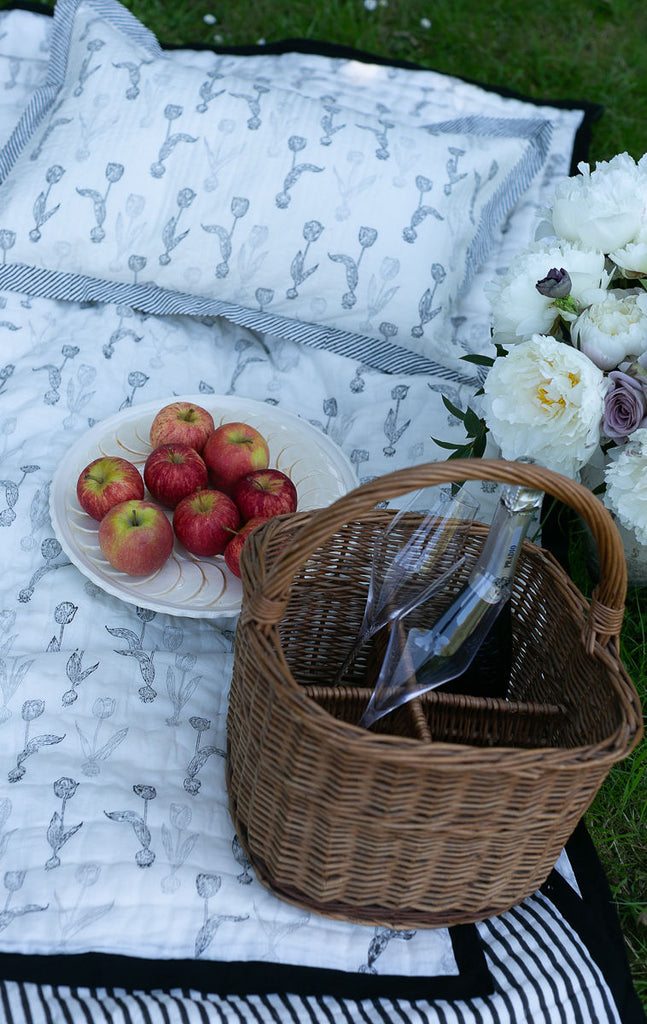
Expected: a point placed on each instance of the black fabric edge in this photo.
(99, 970)
(595, 920)
(591, 111)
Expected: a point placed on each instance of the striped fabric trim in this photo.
(538, 133)
(381, 355)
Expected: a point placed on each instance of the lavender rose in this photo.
(625, 406)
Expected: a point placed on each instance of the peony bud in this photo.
(556, 284)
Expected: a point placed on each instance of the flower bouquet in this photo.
(568, 384)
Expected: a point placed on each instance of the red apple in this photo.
(172, 471)
(235, 546)
(136, 537)
(182, 423)
(205, 521)
(264, 493)
(105, 482)
(234, 449)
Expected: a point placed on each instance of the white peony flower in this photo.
(605, 208)
(611, 330)
(519, 310)
(632, 258)
(545, 400)
(626, 479)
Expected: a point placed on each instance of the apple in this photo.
(181, 422)
(235, 545)
(264, 493)
(105, 482)
(204, 522)
(174, 470)
(136, 537)
(233, 449)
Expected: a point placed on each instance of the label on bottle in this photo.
(487, 587)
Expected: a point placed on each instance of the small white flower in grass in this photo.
(425, 23)
(260, 42)
(519, 310)
(605, 208)
(626, 480)
(610, 331)
(370, 5)
(545, 400)
(210, 19)
(218, 39)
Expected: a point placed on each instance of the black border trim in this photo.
(595, 920)
(103, 970)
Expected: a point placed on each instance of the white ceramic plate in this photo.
(189, 585)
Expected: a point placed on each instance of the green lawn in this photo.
(592, 50)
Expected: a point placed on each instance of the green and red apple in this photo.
(204, 522)
(136, 537)
(182, 423)
(232, 450)
(235, 546)
(105, 482)
(172, 471)
(264, 493)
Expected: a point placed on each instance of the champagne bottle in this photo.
(443, 653)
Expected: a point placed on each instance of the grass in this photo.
(593, 50)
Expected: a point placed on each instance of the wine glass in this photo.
(400, 582)
(422, 659)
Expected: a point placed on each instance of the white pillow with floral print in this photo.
(134, 178)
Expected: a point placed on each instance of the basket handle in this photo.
(267, 602)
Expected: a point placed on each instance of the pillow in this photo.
(133, 178)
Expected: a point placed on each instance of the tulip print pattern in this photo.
(184, 199)
(41, 213)
(239, 207)
(330, 129)
(145, 856)
(171, 113)
(207, 91)
(13, 882)
(426, 309)
(253, 101)
(201, 756)
(311, 232)
(367, 238)
(422, 210)
(31, 710)
(381, 133)
(295, 144)
(207, 885)
(53, 557)
(57, 834)
(103, 708)
(114, 173)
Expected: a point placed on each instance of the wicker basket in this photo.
(452, 809)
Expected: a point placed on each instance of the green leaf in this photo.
(446, 444)
(479, 360)
(458, 413)
(473, 423)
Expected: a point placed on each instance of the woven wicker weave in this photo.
(451, 809)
